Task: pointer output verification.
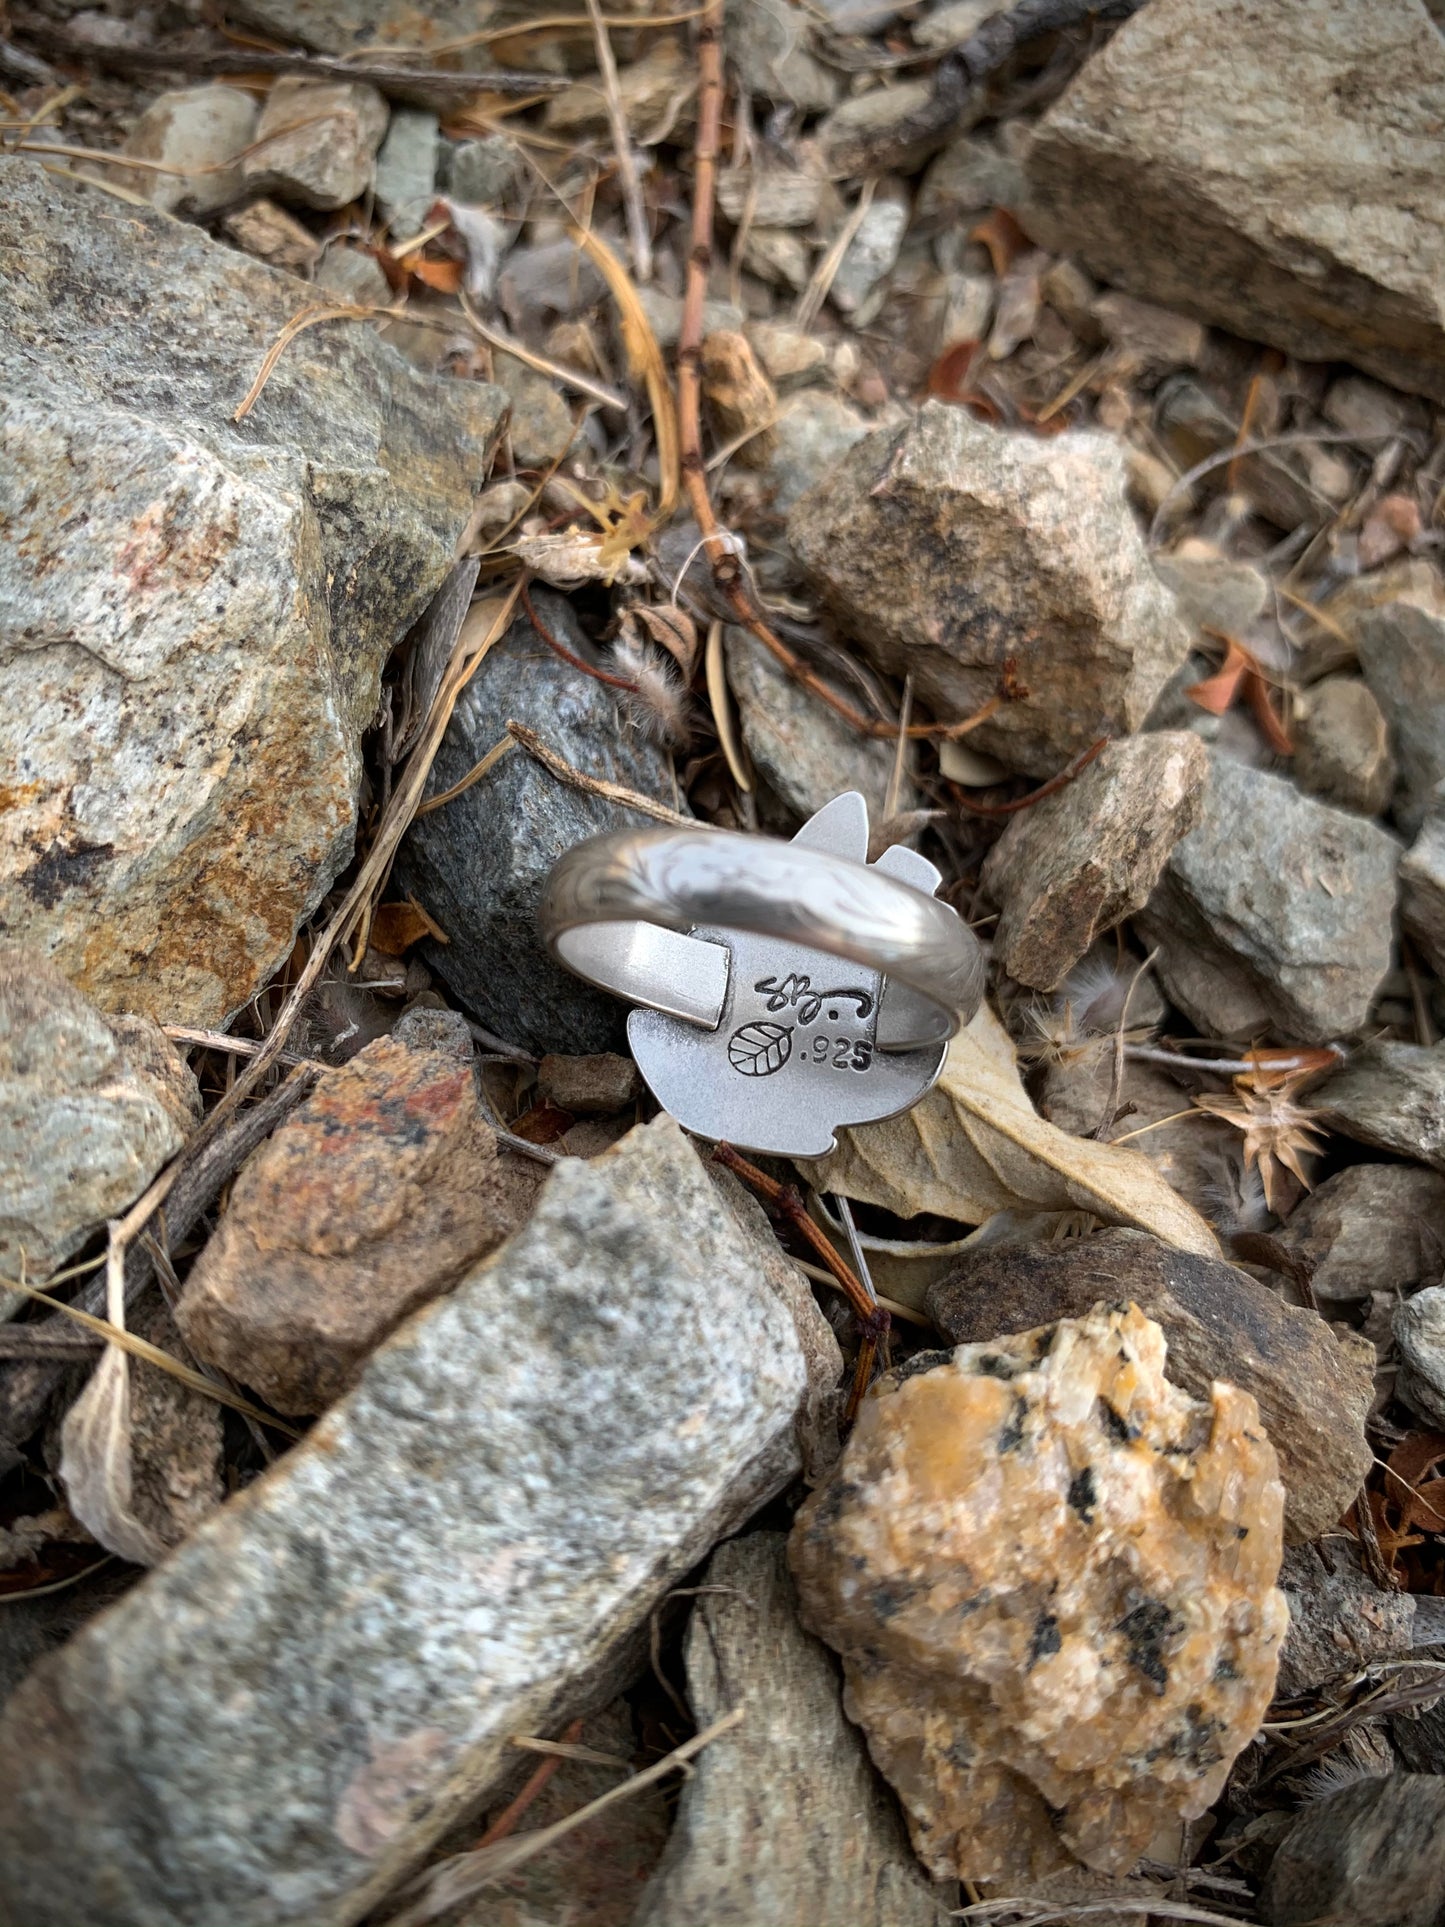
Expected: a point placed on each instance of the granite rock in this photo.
(482, 173)
(1419, 1329)
(373, 1198)
(188, 662)
(1371, 1227)
(1422, 885)
(480, 863)
(1275, 913)
(540, 425)
(194, 128)
(1392, 1096)
(1339, 1619)
(1078, 863)
(1051, 1578)
(870, 255)
(1274, 172)
(653, 92)
(1214, 589)
(321, 138)
(91, 1107)
(272, 235)
(1374, 1851)
(814, 431)
(767, 44)
(1401, 647)
(406, 170)
(779, 256)
(805, 754)
(1313, 1387)
(276, 1724)
(949, 549)
(783, 1819)
(175, 1439)
(1342, 746)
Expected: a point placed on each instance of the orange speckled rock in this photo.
(1051, 1576)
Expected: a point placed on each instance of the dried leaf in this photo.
(1278, 1131)
(395, 927)
(1217, 692)
(444, 276)
(670, 629)
(95, 1463)
(975, 1145)
(1001, 234)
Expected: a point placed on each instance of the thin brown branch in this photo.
(507, 1819)
(559, 648)
(1051, 788)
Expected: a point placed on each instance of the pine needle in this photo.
(308, 318)
(644, 361)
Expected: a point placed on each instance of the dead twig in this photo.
(530, 741)
(559, 648)
(638, 237)
(507, 1819)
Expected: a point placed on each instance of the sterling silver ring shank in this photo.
(617, 910)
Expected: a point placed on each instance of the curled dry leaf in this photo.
(95, 1463)
(666, 628)
(975, 1146)
(571, 558)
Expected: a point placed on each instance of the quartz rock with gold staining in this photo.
(1051, 1576)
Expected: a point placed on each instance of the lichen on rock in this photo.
(1051, 1576)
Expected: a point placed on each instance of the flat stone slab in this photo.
(272, 1728)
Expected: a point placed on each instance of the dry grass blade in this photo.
(308, 318)
(530, 741)
(816, 293)
(453, 1881)
(638, 237)
(720, 700)
(644, 360)
(478, 770)
(554, 370)
(1023, 1912)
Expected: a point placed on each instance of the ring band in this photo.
(618, 907)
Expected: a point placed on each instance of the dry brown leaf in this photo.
(395, 927)
(95, 1463)
(975, 1145)
(669, 629)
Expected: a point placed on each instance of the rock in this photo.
(321, 138)
(1419, 1328)
(90, 1109)
(187, 669)
(1402, 654)
(1212, 590)
(1339, 1620)
(947, 548)
(788, 355)
(372, 1199)
(1080, 862)
(1374, 1851)
(406, 170)
(870, 255)
(597, 1086)
(355, 276)
(1051, 1578)
(815, 430)
(540, 425)
(273, 236)
(968, 177)
(783, 1819)
(479, 864)
(276, 1724)
(1314, 1388)
(1391, 1096)
(952, 23)
(1372, 413)
(778, 196)
(1218, 164)
(1275, 912)
(345, 26)
(1342, 746)
(742, 399)
(884, 122)
(483, 173)
(805, 753)
(549, 278)
(1371, 1227)
(194, 128)
(1422, 886)
(664, 311)
(1418, 1736)
(767, 47)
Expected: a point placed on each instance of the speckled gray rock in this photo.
(1275, 914)
(90, 1109)
(406, 169)
(870, 254)
(804, 752)
(1402, 653)
(321, 138)
(767, 42)
(1078, 863)
(1419, 1328)
(479, 864)
(1342, 746)
(1271, 169)
(1339, 1619)
(814, 432)
(946, 548)
(1422, 885)
(1392, 1096)
(276, 1724)
(186, 666)
(341, 26)
(783, 1819)
(197, 128)
(1371, 1227)
(1373, 1852)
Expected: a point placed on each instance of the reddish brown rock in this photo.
(373, 1199)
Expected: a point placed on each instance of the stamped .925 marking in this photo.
(760, 1048)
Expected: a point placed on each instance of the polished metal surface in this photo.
(789, 988)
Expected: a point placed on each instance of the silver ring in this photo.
(618, 908)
